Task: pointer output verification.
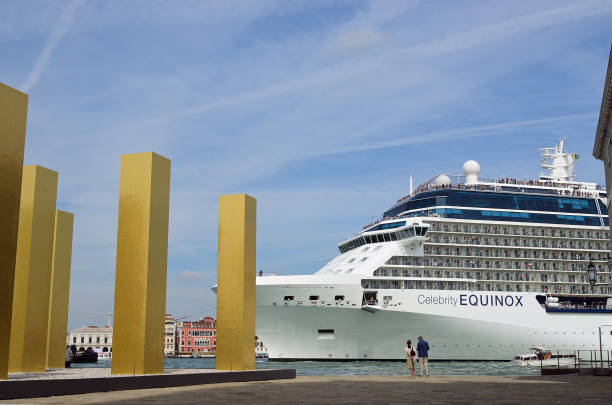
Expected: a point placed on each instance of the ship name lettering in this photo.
(437, 300)
(475, 300)
(491, 300)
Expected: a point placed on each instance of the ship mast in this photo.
(559, 163)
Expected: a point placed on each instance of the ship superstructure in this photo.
(483, 268)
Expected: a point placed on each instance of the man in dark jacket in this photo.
(423, 351)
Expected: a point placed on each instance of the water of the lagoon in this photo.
(359, 367)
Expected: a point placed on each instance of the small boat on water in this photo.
(544, 357)
(104, 356)
(84, 356)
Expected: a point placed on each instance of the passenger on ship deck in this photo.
(423, 351)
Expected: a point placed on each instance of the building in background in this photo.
(197, 337)
(170, 337)
(602, 148)
(97, 338)
(182, 338)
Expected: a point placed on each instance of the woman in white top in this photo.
(410, 355)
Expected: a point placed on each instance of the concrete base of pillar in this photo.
(89, 380)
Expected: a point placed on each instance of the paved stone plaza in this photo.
(366, 390)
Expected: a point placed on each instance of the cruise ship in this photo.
(482, 269)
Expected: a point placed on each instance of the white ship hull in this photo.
(459, 325)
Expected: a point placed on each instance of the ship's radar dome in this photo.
(442, 180)
(471, 168)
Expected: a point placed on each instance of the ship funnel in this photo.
(471, 168)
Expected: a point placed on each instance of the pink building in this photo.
(198, 336)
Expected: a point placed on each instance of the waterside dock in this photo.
(366, 390)
(595, 371)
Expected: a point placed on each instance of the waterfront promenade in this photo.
(365, 390)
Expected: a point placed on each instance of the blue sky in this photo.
(319, 109)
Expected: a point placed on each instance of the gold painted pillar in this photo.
(60, 289)
(28, 347)
(236, 283)
(13, 113)
(142, 251)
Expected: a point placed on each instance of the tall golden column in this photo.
(13, 113)
(142, 252)
(60, 289)
(28, 347)
(236, 283)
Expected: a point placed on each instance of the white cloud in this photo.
(460, 133)
(491, 33)
(356, 39)
(60, 29)
(189, 276)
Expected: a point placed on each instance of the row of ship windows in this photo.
(518, 264)
(510, 266)
(519, 242)
(486, 215)
(531, 275)
(525, 254)
(471, 286)
(382, 237)
(516, 230)
(314, 298)
(569, 263)
(523, 202)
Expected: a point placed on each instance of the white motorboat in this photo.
(544, 357)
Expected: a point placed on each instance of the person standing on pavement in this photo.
(410, 355)
(423, 351)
